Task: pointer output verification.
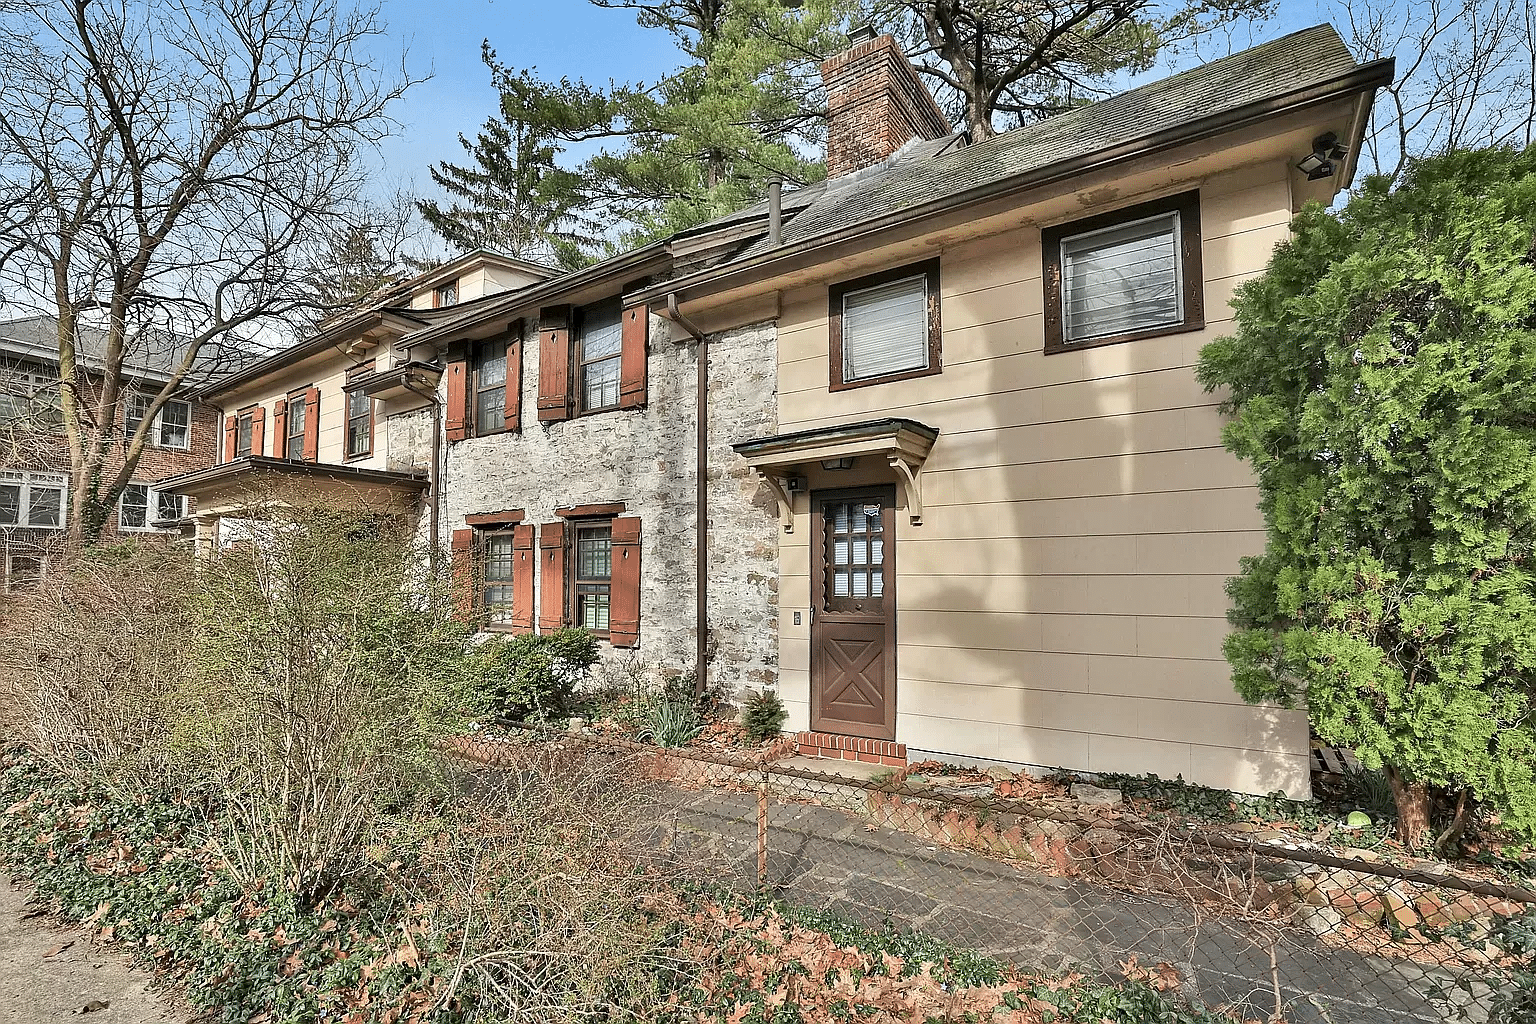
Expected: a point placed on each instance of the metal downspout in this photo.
(701, 500)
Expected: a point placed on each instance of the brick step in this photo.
(851, 748)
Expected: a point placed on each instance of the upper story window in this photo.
(29, 394)
(599, 354)
(1134, 273)
(298, 419)
(490, 386)
(446, 294)
(33, 500)
(359, 415)
(172, 427)
(245, 425)
(885, 327)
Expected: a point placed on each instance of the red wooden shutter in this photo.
(523, 559)
(637, 330)
(462, 547)
(624, 589)
(514, 401)
(312, 425)
(258, 431)
(456, 415)
(552, 568)
(554, 363)
(280, 429)
(231, 432)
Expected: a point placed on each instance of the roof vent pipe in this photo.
(775, 211)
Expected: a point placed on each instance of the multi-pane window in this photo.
(857, 547)
(496, 593)
(1122, 279)
(170, 507)
(173, 426)
(298, 416)
(133, 508)
(490, 386)
(599, 354)
(592, 570)
(32, 499)
(1130, 274)
(29, 394)
(245, 425)
(885, 327)
(135, 408)
(359, 425)
(446, 294)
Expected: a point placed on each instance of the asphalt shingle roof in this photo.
(932, 171)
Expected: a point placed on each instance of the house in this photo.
(34, 455)
(920, 445)
(350, 411)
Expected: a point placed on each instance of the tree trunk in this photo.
(1412, 799)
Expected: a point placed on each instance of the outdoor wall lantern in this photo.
(846, 462)
(1322, 161)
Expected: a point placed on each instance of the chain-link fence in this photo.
(1262, 929)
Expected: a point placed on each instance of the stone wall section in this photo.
(646, 459)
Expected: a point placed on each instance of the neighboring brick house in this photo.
(920, 445)
(34, 456)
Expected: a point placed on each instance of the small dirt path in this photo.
(36, 988)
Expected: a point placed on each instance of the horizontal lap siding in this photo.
(1063, 602)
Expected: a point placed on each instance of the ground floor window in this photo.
(141, 507)
(592, 581)
(498, 562)
(23, 569)
(33, 500)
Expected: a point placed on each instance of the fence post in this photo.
(762, 828)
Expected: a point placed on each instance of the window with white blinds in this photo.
(1122, 279)
(885, 329)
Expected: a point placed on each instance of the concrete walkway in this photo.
(39, 988)
(830, 859)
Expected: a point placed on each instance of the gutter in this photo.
(326, 339)
(701, 502)
(787, 257)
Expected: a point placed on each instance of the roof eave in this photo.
(1363, 79)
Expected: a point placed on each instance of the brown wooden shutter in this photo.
(513, 420)
(552, 569)
(523, 559)
(457, 414)
(637, 331)
(312, 425)
(624, 589)
(463, 553)
(280, 429)
(258, 431)
(231, 433)
(554, 363)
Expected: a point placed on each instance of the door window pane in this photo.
(885, 329)
(855, 550)
(1122, 279)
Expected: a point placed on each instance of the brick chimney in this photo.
(875, 104)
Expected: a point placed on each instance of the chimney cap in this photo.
(861, 34)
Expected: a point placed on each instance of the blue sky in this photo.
(558, 37)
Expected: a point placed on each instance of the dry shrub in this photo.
(327, 670)
(91, 663)
(537, 877)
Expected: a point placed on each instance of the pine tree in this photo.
(513, 197)
(1382, 382)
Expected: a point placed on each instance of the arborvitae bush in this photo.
(763, 714)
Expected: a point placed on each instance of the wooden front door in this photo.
(853, 613)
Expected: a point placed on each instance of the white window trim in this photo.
(153, 437)
(28, 479)
(1178, 269)
(7, 556)
(151, 509)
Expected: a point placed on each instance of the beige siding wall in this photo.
(1062, 603)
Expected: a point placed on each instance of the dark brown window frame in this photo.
(574, 578)
(442, 291)
(294, 398)
(1187, 205)
(835, 294)
(579, 363)
(483, 534)
(473, 418)
(360, 370)
(245, 419)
